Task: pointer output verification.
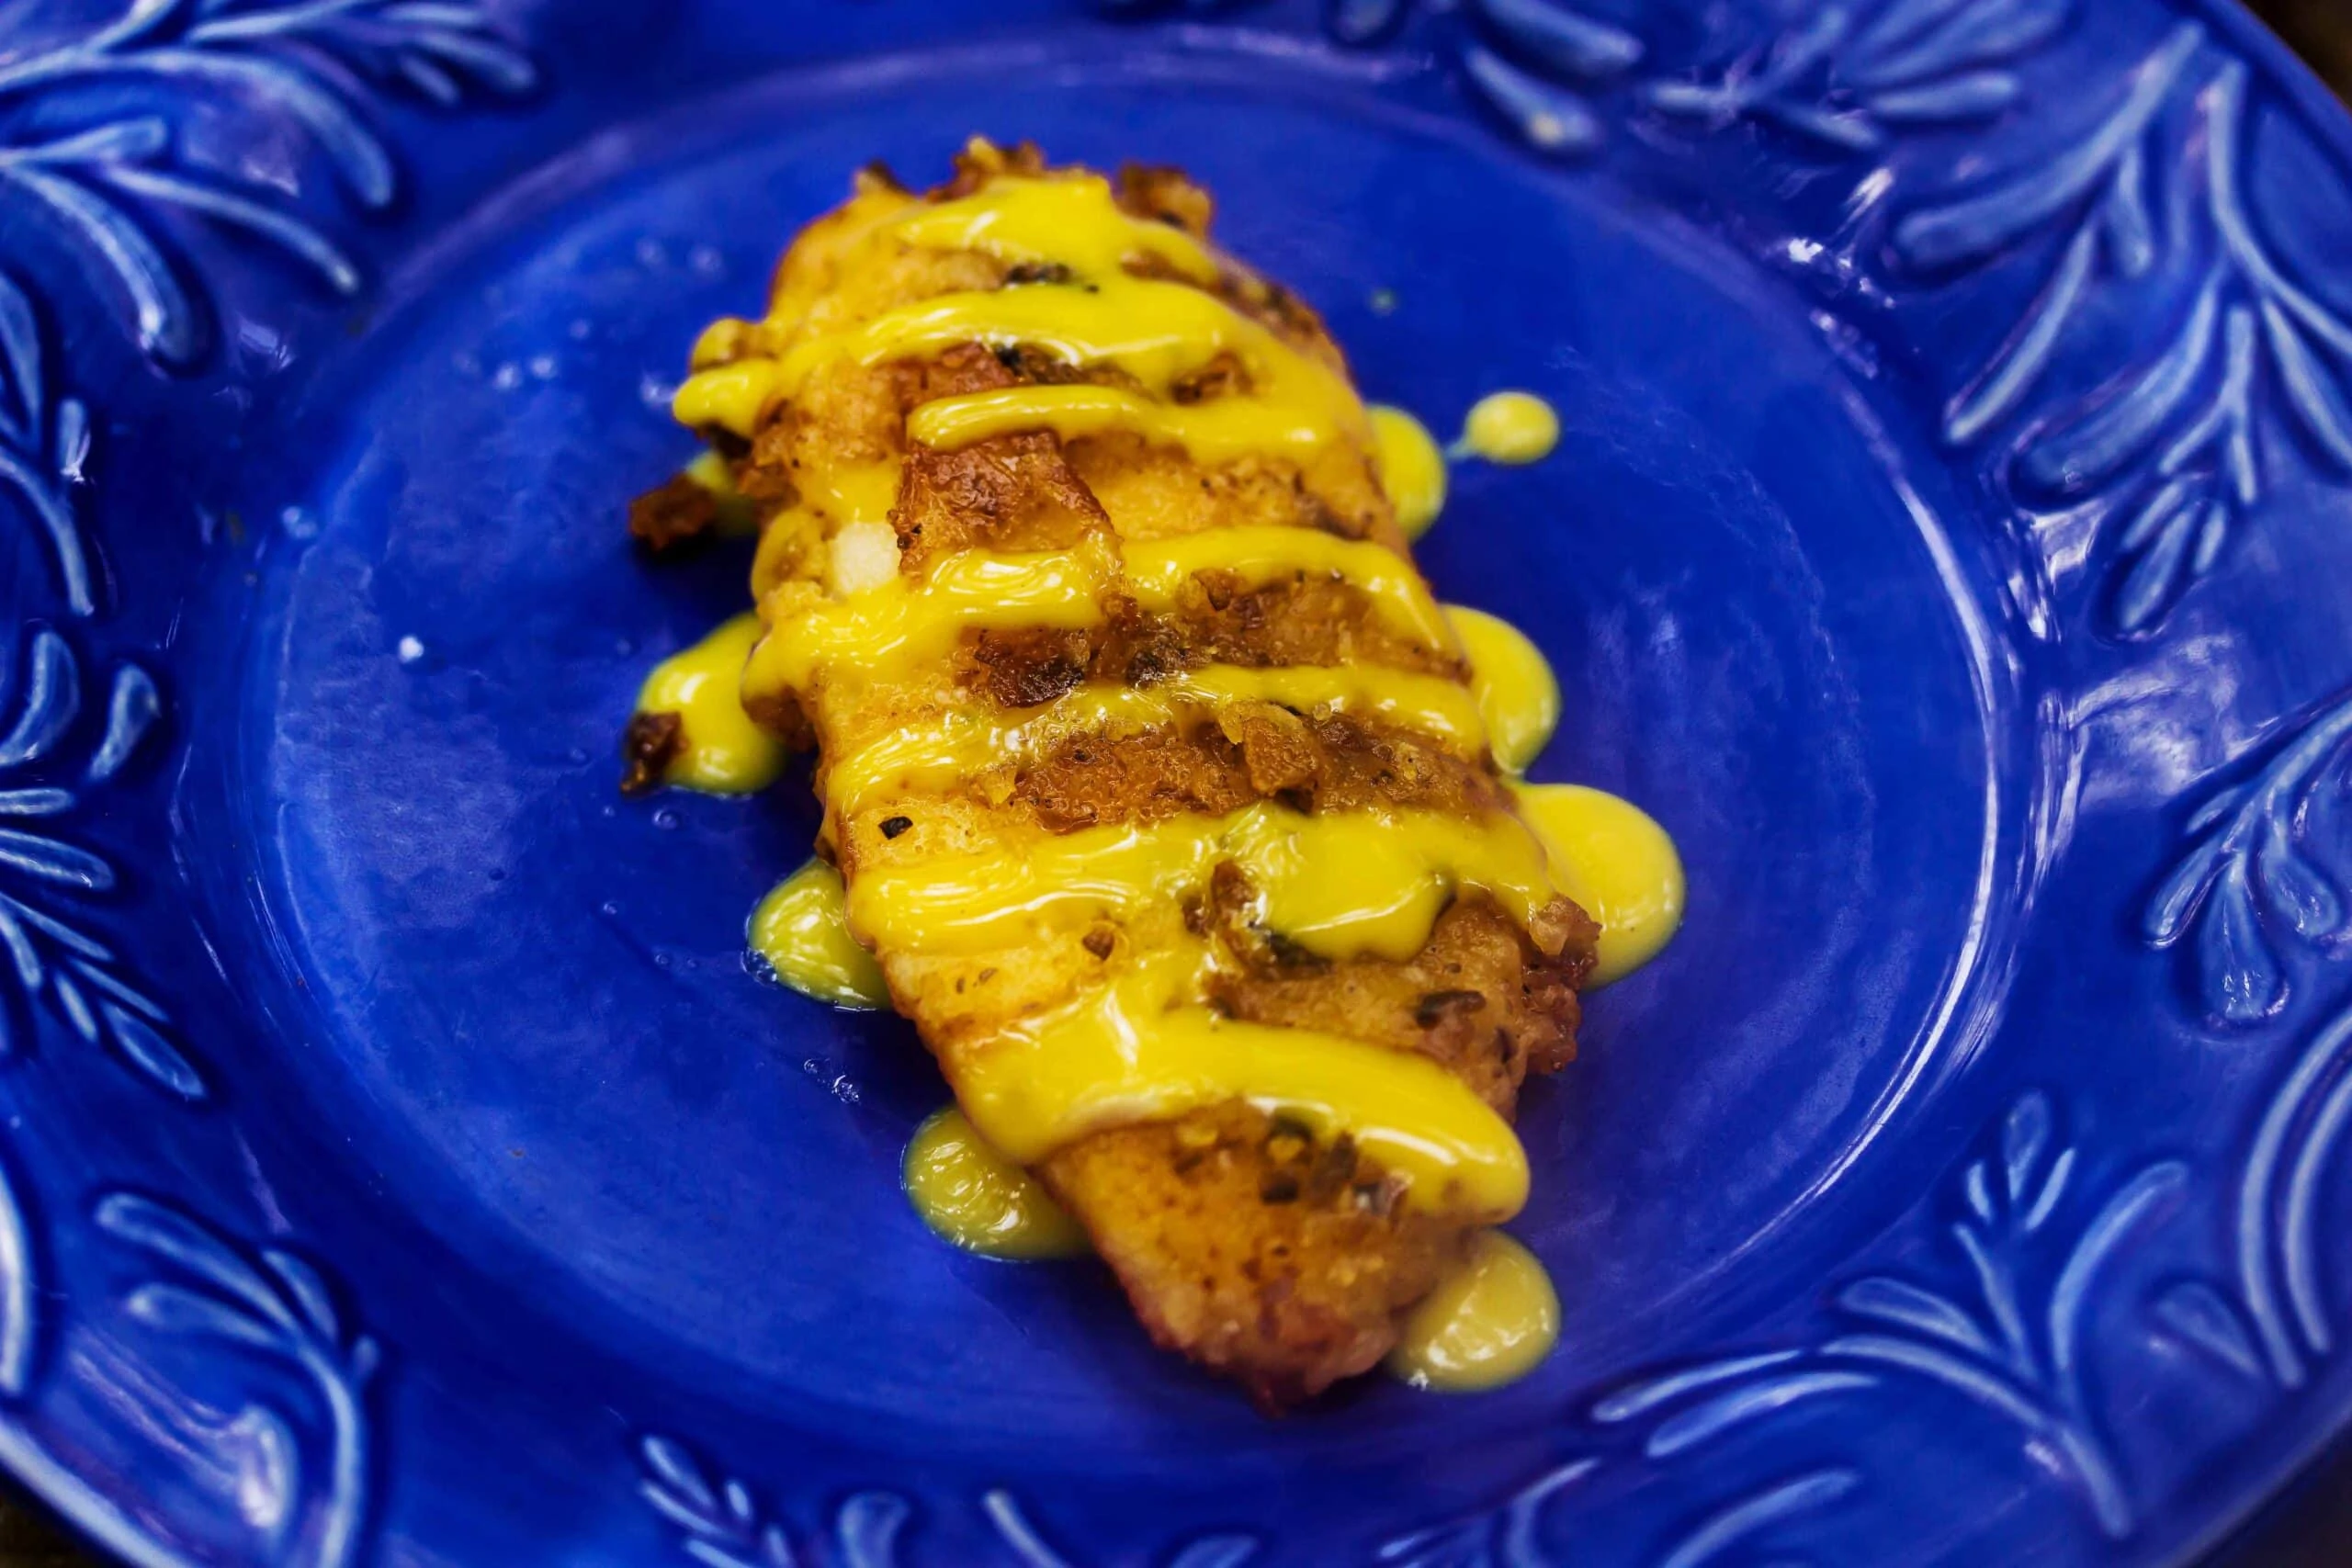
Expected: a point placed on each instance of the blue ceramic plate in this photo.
(1950, 544)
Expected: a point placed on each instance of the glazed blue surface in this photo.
(1947, 544)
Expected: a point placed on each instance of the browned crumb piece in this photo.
(649, 745)
(672, 514)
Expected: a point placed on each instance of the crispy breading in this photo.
(1280, 1260)
(1250, 1248)
(1260, 1251)
(1248, 752)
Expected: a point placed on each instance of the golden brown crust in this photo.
(1259, 1251)
(1246, 1245)
(1297, 620)
(1248, 752)
(1480, 999)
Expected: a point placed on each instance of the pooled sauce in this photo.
(1517, 698)
(1412, 470)
(983, 1202)
(1489, 1322)
(1613, 860)
(1511, 428)
(801, 930)
(722, 752)
(1142, 1043)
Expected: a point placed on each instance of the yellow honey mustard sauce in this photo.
(1143, 1044)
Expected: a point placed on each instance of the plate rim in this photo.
(2317, 114)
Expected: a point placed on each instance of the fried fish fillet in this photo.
(1269, 1249)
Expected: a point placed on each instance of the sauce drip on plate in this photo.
(801, 930)
(1490, 1322)
(983, 1202)
(721, 751)
(1511, 428)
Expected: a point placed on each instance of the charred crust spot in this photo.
(1437, 1008)
(1028, 669)
(1288, 957)
(1301, 1166)
(1031, 364)
(891, 827)
(649, 745)
(1099, 942)
(1295, 314)
(1334, 1168)
(671, 515)
(1140, 649)
(1197, 915)
(1223, 377)
(1037, 272)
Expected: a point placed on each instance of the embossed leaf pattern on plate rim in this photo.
(2180, 449)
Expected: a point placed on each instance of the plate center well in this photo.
(534, 1019)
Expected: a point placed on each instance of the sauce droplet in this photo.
(1518, 700)
(722, 752)
(1510, 427)
(1412, 470)
(983, 1202)
(801, 929)
(1490, 1322)
(1614, 860)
